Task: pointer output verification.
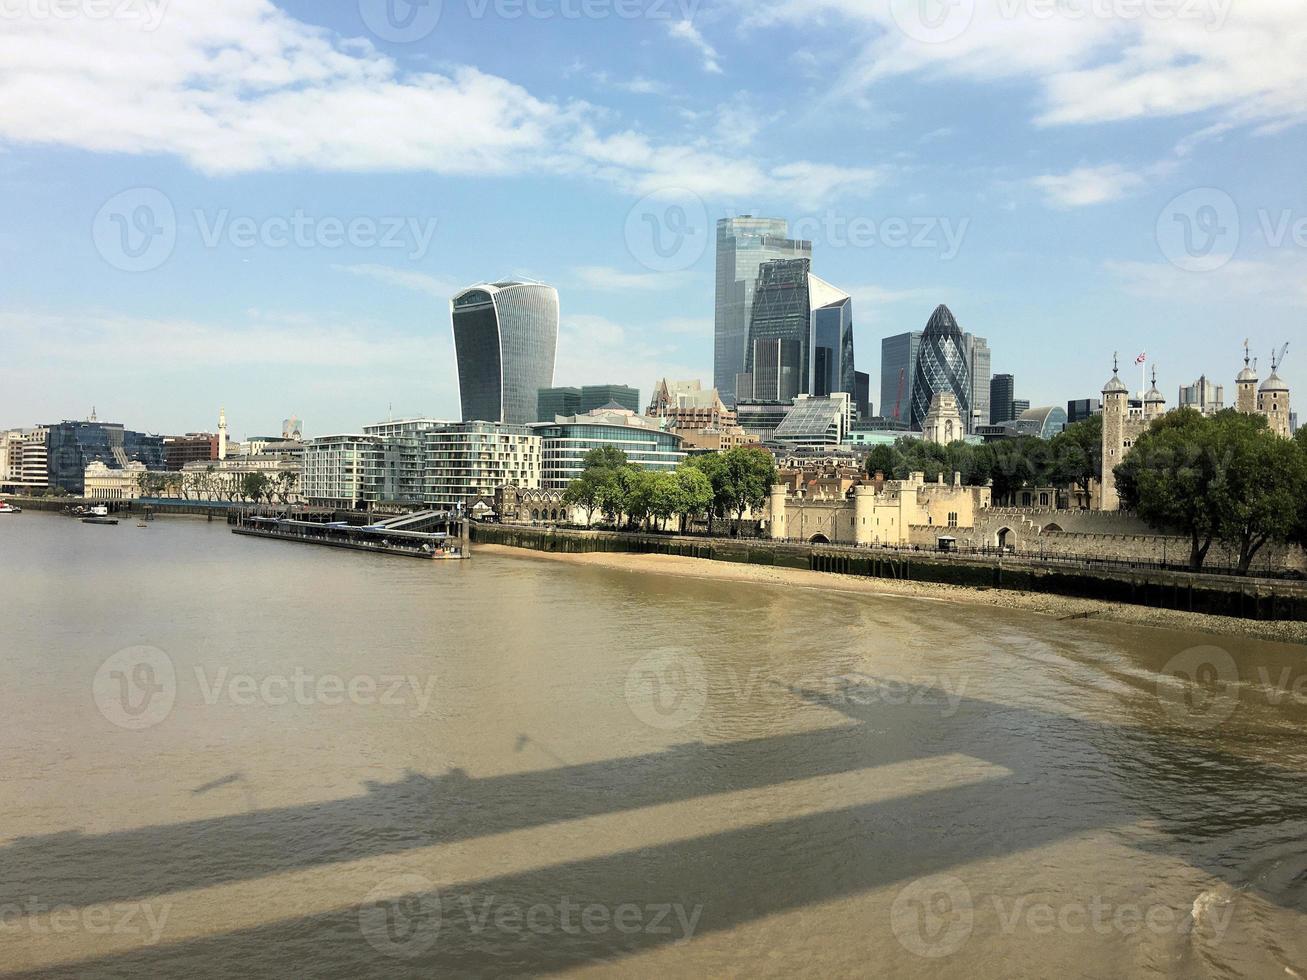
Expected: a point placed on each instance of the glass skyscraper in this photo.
(978, 362)
(743, 244)
(505, 338)
(830, 343)
(1002, 392)
(942, 366)
(898, 371)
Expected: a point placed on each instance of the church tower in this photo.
(1246, 386)
(1273, 400)
(1116, 413)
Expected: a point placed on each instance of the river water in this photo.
(228, 756)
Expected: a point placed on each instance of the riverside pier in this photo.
(427, 534)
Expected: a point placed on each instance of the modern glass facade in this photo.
(898, 371)
(594, 397)
(862, 394)
(1079, 409)
(505, 339)
(743, 244)
(941, 366)
(552, 402)
(816, 421)
(830, 342)
(760, 418)
(72, 446)
(978, 361)
(1043, 422)
(800, 334)
(566, 443)
(1002, 391)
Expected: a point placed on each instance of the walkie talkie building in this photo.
(505, 339)
(941, 366)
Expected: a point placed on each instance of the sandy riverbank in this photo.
(1059, 607)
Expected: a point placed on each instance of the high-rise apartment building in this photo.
(1002, 391)
(942, 366)
(743, 244)
(978, 361)
(505, 340)
(898, 371)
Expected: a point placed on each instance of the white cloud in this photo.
(241, 87)
(1280, 280)
(684, 30)
(596, 350)
(1087, 185)
(1093, 62)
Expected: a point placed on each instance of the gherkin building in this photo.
(941, 366)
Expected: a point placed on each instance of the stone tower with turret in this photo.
(1121, 427)
(1154, 401)
(1246, 385)
(1273, 402)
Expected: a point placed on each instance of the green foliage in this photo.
(882, 459)
(253, 486)
(604, 458)
(1077, 453)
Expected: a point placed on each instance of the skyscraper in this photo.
(830, 340)
(898, 370)
(862, 394)
(743, 244)
(978, 361)
(941, 366)
(505, 338)
(1002, 390)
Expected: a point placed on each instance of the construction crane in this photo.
(1277, 358)
(899, 400)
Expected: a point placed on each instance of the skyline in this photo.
(1055, 225)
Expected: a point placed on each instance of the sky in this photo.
(267, 206)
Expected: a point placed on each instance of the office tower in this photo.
(1081, 408)
(552, 402)
(941, 366)
(1203, 395)
(1020, 405)
(1002, 389)
(602, 396)
(743, 244)
(898, 369)
(830, 339)
(978, 361)
(862, 394)
(72, 446)
(505, 338)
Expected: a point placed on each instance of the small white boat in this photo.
(99, 510)
(7, 508)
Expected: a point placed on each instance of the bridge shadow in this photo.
(1061, 777)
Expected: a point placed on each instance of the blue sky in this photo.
(267, 206)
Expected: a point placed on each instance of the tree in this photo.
(253, 486)
(696, 493)
(590, 491)
(883, 459)
(1257, 498)
(750, 475)
(664, 494)
(1168, 476)
(1077, 453)
(713, 466)
(604, 458)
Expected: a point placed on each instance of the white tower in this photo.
(1246, 385)
(222, 433)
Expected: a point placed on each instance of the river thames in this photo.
(226, 756)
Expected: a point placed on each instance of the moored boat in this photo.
(7, 508)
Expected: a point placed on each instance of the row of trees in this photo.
(212, 484)
(1224, 477)
(1072, 458)
(718, 485)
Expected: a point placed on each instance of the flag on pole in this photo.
(1141, 358)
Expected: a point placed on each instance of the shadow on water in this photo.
(1063, 777)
